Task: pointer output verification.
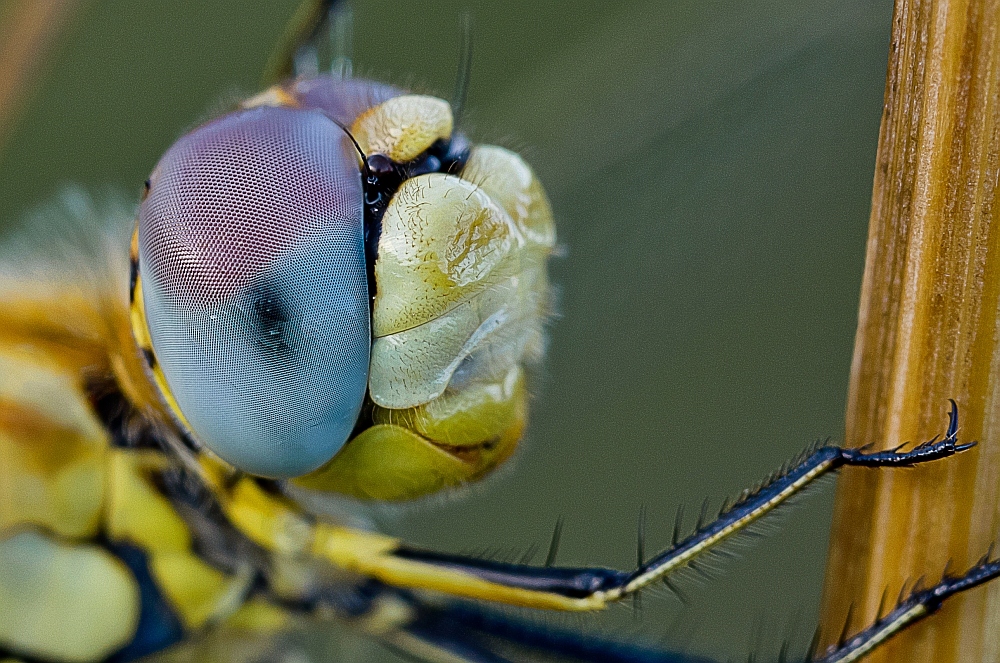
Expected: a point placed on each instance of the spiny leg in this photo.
(464, 632)
(591, 588)
(458, 632)
(276, 525)
(754, 505)
(920, 604)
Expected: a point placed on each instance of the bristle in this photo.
(989, 554)
(902, 593)
(550, 558)
(813, 645)
(702, 515)
(844, 632)
(529, 554)
(640, 547)
(674, 590)
(697, 568)
(678, 521)
(881, 605)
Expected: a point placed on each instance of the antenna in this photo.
(464, 75)
(357, 146)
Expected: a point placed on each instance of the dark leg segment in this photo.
(918, 605)
(459, 632)
(590, 588)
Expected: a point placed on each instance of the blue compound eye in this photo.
(251, 253)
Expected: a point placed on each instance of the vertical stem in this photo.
(27, 30)
(928, 330)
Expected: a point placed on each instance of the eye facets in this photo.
(254, 283)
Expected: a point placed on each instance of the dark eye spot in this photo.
(271, 321)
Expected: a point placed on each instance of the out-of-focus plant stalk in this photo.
(27, 30)
(928, 330)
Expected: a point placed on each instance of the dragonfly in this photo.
(215, 491)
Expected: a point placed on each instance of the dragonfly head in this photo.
(332, 284)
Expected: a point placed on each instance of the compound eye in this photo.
(251, 255)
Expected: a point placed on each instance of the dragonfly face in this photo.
(290, 299)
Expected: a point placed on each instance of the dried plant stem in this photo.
(27, 30)
(928, 330)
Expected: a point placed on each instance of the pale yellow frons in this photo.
(443, 240)
(509, 180)
(486, 336)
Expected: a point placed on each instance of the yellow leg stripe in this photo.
(274, 524)
(198, 592)
(891, 629)
(267, 519)
(660, 571)
(371, 555)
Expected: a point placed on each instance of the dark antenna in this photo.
(357, 146)
(464, 75)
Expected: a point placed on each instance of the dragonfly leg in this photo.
(920, 604)
(465, 632)
(777, 490)
(276, 525)
(457, 631)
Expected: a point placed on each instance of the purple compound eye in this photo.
(251, 252)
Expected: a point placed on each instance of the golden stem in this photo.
(928, 330)
(27, 30)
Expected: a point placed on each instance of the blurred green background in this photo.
(710, 166)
